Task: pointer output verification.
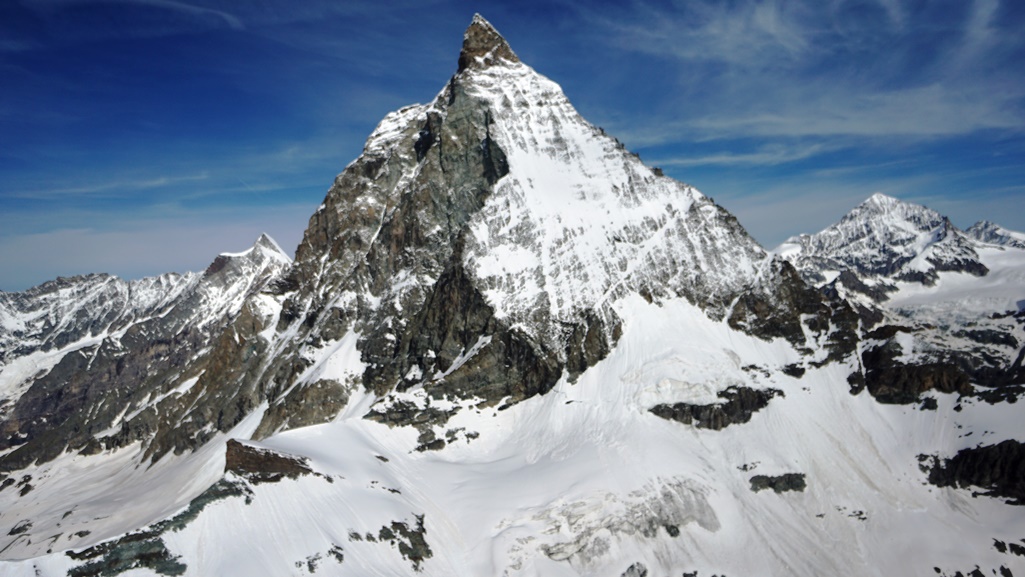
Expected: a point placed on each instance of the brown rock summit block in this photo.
(259, 465)
(483, 46)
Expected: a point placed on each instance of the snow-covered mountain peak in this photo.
(882, 215)
(992, 233)
(483, 46)
(265, 247)
(521, 227)
(553, 216)
(271, 247)
(885, 238)
(574, 218)
(882, 201)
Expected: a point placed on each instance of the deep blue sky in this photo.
(146, 136)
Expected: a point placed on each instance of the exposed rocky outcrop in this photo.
(779, 483)
(636, 570)
(260, 465)
(741, 403)
(410, 541)
(483, 45)
(891, 381)
(785, 306)
(997, 469)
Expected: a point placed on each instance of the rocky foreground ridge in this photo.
(507, 346)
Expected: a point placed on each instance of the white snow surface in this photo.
(1001, 290)
(578, 216)
(585, 481)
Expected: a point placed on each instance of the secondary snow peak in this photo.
(483, 46)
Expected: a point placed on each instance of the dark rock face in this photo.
(851, 282)
(411, 541)
(259, 465)
(989, 362)
(776, 310)
(976, 572)
(779, 483)
(453, 318)
(895, 383)
(741, 403)
(1000, 469)
(636, 570)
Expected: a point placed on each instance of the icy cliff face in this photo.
(885, 238)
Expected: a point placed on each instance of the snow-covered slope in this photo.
(586, 481)
(507, 347)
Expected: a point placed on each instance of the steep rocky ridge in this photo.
(117, 352)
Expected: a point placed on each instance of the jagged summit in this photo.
(483, 46)
(267, 242)
(888, 238)
(264, 245)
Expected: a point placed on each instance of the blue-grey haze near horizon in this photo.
(146, 136)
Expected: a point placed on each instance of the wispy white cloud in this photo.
(778, 69)
(745, 34)
(771, 155)
(107, 187)
(229, 19)
(925, 111)
(199, 14)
